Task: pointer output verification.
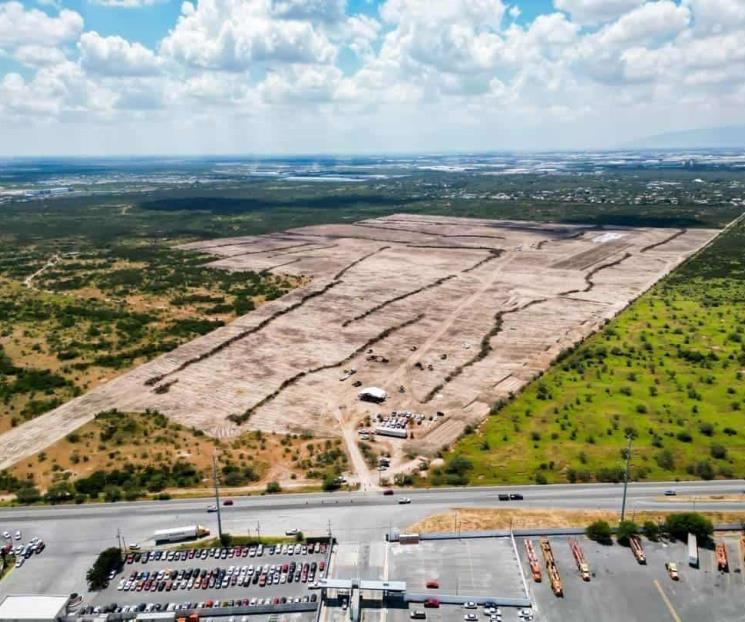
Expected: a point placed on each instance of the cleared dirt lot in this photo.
(462, 312)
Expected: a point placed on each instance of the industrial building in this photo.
(373, 394)
(33, 608)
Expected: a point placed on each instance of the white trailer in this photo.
(692, 551)
(395, 432)
(179, 534)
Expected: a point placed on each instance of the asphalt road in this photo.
(75, 534)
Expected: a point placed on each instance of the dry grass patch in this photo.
(483, 519)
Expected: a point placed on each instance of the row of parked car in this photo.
(23, 551)
(220, 578)
(226, 553)
(205, 604)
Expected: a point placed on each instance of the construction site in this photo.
(432, 316)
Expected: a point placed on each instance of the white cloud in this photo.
(318, 11)
(38, 55)
(126, 4)
(232, 35)
(115, 56)
(19, 26)
(590, 12)
(717, 16)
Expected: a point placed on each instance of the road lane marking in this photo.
(670, 607)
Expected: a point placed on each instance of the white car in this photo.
(470, 617)
(19, 562)
(470, 605)
(291, 532)
(6, 535)
(404, 501)
(121, 585)
(18, 535)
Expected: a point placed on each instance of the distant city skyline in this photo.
(109, 77)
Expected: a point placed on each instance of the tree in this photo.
(599, 531)
(98, 574)
(299, 536)
(273, 487)
(331, 483)
(679, 525)
(61, 491)
(626, 529)
(226, 540)
(651, 530)
(28, 495)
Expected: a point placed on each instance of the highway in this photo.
(76, 533)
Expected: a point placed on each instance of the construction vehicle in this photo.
(535, 567)
(553, 571)
(635, 543)
(722, 561)
(672, 570)
(579, 557)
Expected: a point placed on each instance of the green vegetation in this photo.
(679, 525)
(98, 574)
(599, 531)
(668, 372)
(625, 530)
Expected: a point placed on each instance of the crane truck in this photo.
(579, 557)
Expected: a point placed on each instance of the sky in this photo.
(152, 77)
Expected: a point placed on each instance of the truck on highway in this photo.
(179, 534)
(692, 551)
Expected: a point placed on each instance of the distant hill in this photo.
(712, 138)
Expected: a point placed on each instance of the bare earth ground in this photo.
(487, 304)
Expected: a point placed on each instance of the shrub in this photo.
(718, 452)
(273, 487)
(625, 530)
(684, 437)
(679, 525)
(651, 530)
(28, 495)
(706, 429)
(599, 531)
(330, 483)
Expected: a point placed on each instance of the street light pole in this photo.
(626, 477)
(217, 497)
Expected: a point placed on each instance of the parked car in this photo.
(470, 605)
(432, 603)
(418, 614)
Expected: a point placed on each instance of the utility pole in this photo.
(217, 497)
(626, 477)
(258, 531)
(119, 539)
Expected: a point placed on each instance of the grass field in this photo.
(668, 372)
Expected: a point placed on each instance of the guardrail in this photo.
(451, 599)
(212, 613)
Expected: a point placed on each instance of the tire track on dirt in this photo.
(242, 418)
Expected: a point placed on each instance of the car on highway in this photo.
(432, 584)
(670, 493)
(504, 497)
(227, 502)
(404, 501)
(388, 492)
(212, 508)
(516, 496)
(291, 532)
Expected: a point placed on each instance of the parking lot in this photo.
(625, 590)
(245, 576)
(485, 567)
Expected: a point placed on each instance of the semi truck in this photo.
(179, 534)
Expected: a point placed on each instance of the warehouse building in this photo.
(33, 608)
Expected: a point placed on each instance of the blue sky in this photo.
(90, 76)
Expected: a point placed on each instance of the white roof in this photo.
(32, 607)
(375, 392)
